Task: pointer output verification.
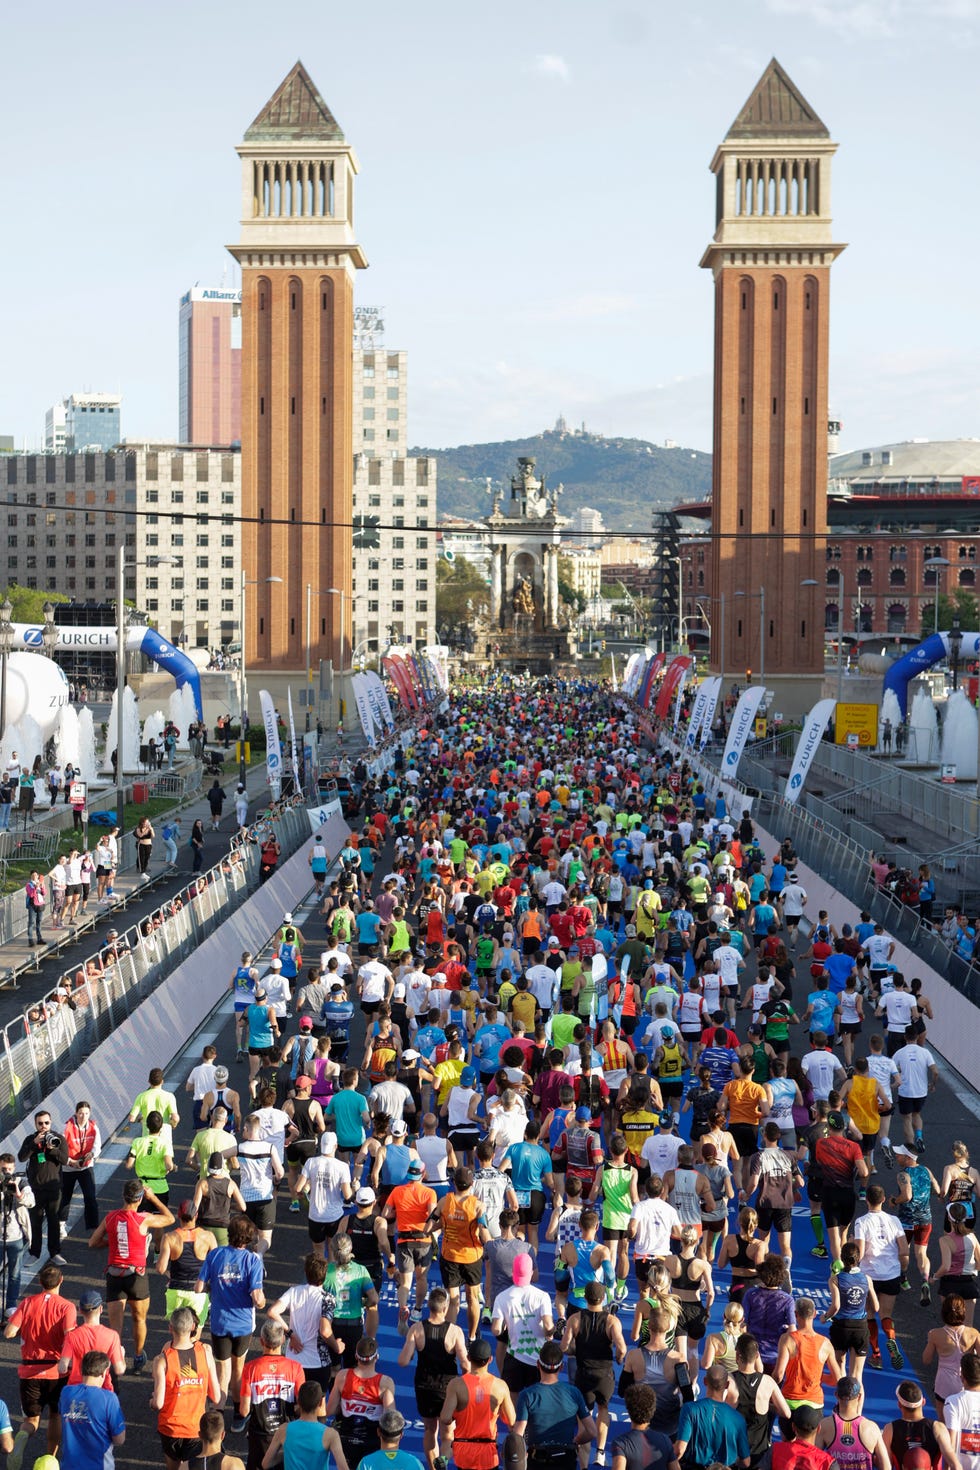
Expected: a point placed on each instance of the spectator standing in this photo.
(45, 1154)
(35, 899)
(84, 1143)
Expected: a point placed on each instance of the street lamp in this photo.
(49, 633)
(6, 644)
(936, 562)
(258, 582)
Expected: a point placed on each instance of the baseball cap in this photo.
(848, 1388)
(836, 1121)
(410, 1055)
(667, 1033)
(903, 1148)
(467, 1077)
(287, 918)
(216, 1163)
(583, 1115)
(806, 1418)
(666, 1119)
(631, 929)
(479, 1351)
(399, 1128)
(221, 1074)
(303, 1083)
(365, 1195)
(89, 1300)
(306, 1023)
(553, 942)
(275, 964)
(415, 1170)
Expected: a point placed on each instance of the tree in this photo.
(961, 603)
(28, 603)
(461, 591)
(567, 591)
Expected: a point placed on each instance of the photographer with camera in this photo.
(16, 1198)
(46, 1154)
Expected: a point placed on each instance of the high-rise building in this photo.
(771, 256)
(210, 366)
(298, 255)
(395, 582)
(55, 420)
(92, 421)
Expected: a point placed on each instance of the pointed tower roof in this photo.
(295, 113)
(777, 109)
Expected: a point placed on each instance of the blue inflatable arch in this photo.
(933, 650)
(138, 639)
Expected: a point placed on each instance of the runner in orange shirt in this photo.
(748, 1104)
(460, 1216)
(410, 1205)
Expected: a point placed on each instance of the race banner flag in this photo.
(701, 700)
(649, 677)
(374, 690)
(813, 728)
(292, 742)
(680, 693)
(668, 688)
(707, 718)
(273, 750)
(363, 708)
(631, 674)
(398, 675)
(738, 730)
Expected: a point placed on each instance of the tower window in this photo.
(261, 405)
(774, 405)
(807, 301)
(261, 626)
(741, 518)
(739, 630)
(772, 518)
(806, 406)
(742, 401)
(775, 301)
(292, 300)
(292, 626)
(292, 405)
(804, 516)
(803, 628)
(744, 301)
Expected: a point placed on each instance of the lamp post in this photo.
(121, 665)
(6, 644)
(936, 562)
(258, 582)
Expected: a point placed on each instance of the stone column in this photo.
(551, 586)
(495, 584)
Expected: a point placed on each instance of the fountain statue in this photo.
(923, 744)
(131, 731)
(182, 711)
(153, 727)
(960, 736)
(891, 711)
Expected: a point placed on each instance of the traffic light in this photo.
(366, 531)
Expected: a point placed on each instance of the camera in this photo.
(11, 1186)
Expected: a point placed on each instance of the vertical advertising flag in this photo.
(293, 748)
(680, 693)
(363, 708)
(707, 718)
(668, 688)
(738, 730)
(631, 673)
(649, 678)
(383, 702)
(273, 750)
(697, 713)
(813, 728)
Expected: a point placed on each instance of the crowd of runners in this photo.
(544, 1071)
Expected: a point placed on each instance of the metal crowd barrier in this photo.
(51, 1038)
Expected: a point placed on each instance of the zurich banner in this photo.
(813, 728)
(738, 730)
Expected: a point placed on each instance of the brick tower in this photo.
(771, 257)
(298, 255)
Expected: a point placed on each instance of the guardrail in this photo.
(50, 1039)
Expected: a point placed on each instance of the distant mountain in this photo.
(622, 478)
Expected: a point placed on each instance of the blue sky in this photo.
(534, 198)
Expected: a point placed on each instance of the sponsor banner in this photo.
(273, 749)
(738, 730)
(371, 687)
(631, 674)
(363, 708)
(292, 742)
(380, 697)
(707, 719)
(813, 728)
(668, 688)
(701, 700)
(680, 694)
(649, 678)
(438, 656)
(320, 815)
(398, 675)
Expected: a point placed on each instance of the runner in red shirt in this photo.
(42, 1323)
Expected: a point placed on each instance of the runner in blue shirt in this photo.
(821, 1007)
(233, 1276)
(530, 1172)
(92, 1421)
(243, 993)
(369, 926)
(487, 1043)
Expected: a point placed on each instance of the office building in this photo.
(67, 513)
(395, 583)
(298, 255)
(92, 421)
(55, 420)
(210, 366)
(770, 258)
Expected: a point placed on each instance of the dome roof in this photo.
(921, 460)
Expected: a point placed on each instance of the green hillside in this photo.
(623, 478)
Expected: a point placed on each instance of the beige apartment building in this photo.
(67, 514)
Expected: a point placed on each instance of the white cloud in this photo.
(876, 19)
(550, 65)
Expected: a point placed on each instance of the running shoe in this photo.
(837, 1267)
(888, 1153)
(294, 1206)
(925, 1295)
(416, 1314)
(622, 1291)
(875, 1360)
(238, 1424)
(919, 1145)
(894, 1352)
(905, 1283)
(139, 1362)
(820, 1251)
(58, 1260)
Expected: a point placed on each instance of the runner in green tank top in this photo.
(619, 1195)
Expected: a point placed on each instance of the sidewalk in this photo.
(17, 956)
